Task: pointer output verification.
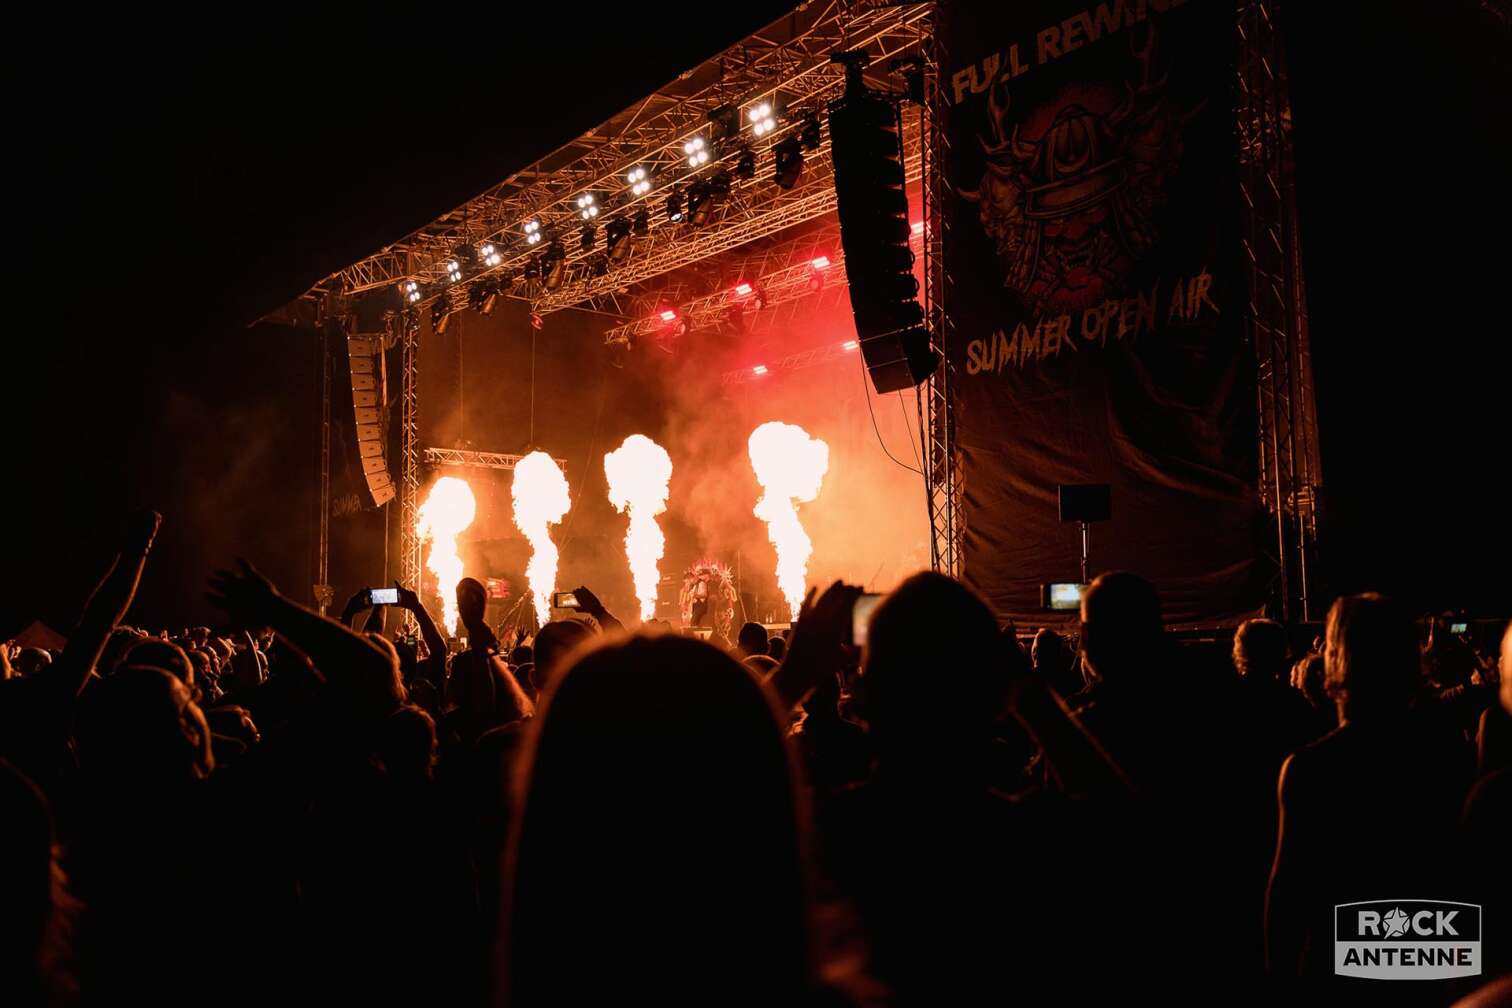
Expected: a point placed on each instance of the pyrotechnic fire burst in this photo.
(448, 510)
(790, 467)
(541, 499)
(638, 472)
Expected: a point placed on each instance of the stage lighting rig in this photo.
(700, 204)
(697, 151)
(483, 297)
(453, 270)
(440, 314)
(409, 292)
(642, 224)
(588, 205)
(787, 163)
(810, 135)
(745, 164)
(532, 229)
(617, 240)
(675, 205)
(488, 255)
(553, 266)
(763, 118)
(639, 183)
(586, 237)
(724, 123)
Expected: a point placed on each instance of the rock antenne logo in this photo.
(1407, 939)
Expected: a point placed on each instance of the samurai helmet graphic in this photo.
(1069, 211)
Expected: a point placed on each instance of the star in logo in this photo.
(1396, 922)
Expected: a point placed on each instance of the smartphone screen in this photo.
(861, 614)
(383, 596)
(1065, 596)
(564, 600)
(1458, 627)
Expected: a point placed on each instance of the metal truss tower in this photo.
(1277, 310)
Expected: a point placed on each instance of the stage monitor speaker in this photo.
(867, 152)
(369, 394)
(1086, 502)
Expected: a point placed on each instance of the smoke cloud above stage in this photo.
(868, 523)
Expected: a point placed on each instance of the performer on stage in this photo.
(708, 597)
(701, 600)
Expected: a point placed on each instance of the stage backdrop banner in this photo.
(1098, 296)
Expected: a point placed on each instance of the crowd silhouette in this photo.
(287, 809)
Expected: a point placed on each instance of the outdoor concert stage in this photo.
(1106, 256)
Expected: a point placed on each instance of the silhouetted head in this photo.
(752, 639)
(161, 654)
(657, 848)
(142, 725)
(1260, 650)
(1371, 662)
(472, 600)
(522, 655)
(1307, 676)
(30, 661)
(407, 745)
(1121, 631)
(777, 648)
(934, 677)
(475, 689)
(553, 645)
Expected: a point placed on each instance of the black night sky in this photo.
(179, 178)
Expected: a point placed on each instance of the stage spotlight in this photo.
(788, 164)
(532, 271)
(554, 266)
(809, 136)
(600, 265)
(617, 240)
(742, 288)
(638, 182)
(409, 292)
(697, 151)
(586, 237)
(488, 255)
(758, 298)
(759, 370)
(724, 122)
(588, 206)
(745, 165)
(440, 314)
(917, 227)
(700, 204)
(453, 270)
(667, 314)
(675, 205)
(849, 344)
(762, 119)
(483, 297)
(820, 262)
(642, 224)
(532, 229)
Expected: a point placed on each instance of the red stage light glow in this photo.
(742, 288)
(820, 262)
(759, 369)
(849, 344)
(668, 315)
(918, 227)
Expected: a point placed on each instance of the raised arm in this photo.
(107, 606)
(343, 659)
(590, 604)
(816, 650)
(1083, 768)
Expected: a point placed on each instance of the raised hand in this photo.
(247, 597)
(819, 641)
(407, 598)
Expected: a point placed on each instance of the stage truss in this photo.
(787, 64)
(1277, 313)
